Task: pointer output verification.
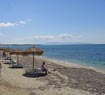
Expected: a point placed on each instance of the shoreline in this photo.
(71, 64)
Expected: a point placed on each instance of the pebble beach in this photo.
(62, 79)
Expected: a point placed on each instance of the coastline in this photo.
(70, 64)
(62, 79)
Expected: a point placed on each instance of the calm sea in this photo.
(92, 55)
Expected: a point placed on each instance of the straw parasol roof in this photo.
(17, 51)
(6, 49)
(34, 50)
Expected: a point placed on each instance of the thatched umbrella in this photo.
(17, 52)
(8, 50)
(1, 50)
(34, 51)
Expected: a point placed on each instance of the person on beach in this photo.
(4, 54)
(0, 69)
(43, 68)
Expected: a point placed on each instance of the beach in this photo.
(62, 79)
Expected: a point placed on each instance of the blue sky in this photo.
(50, 21)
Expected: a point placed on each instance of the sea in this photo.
(92, 55)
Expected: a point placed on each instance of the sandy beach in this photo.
(62, 79)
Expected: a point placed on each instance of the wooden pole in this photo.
(33, 62)
(17, 59)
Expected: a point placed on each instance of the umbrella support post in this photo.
(17, 59)
(33, 62)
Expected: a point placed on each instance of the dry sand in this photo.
(61, 80)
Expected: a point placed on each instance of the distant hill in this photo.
(61, 43)
(18, 44)
(51, 43)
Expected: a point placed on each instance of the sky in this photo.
(52, 21)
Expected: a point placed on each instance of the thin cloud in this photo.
(53, 37)
(61, 38)
(7, 24)
(29, 20)
(1, 34)
(12, 24)
(44, 37)
(22, 22)
(25, 22)
(49, 38)
(65, 36)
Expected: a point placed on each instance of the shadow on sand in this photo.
(16, 67)
(34, 75)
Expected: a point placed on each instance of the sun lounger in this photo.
(39, 71)
(28, 70)
(9, 61)
(16, 65)
(7, 58)
(13, 64)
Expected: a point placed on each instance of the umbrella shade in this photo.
(34, 51)
(17, 52)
